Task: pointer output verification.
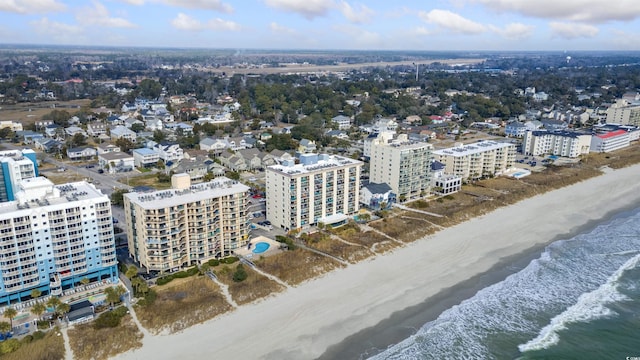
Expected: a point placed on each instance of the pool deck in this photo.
(274, 247)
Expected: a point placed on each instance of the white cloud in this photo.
(360, 38)
(514, 31)
(572, 30)
(280, 29)
(99, 16)
(215, 5)
(310, 9)
(30, 6)
(187, 23)
(357, 14)
(60, 32)
(451, 21)
(422, 31)
(575, 10)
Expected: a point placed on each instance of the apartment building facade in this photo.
(561, 143)
(403, 165)
(484, 158)
(16, 165)
(171, 229)
(54, 236)
(623, 113)
(320, 189)
(610, 141)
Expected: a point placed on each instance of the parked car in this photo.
(100, 171)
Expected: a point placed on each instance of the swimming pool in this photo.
(261, 247)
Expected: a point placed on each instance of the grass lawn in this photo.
(89, 343)
(29, 113)
(255, 286)
(64, 177)
(145, 180)
(182, 303)
(51, 347)
(296, 266)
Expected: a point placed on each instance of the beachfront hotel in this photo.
(623, 113)
(54, 236)
(187, 225)
(320, 189)
(402, 164)
(561, 143)
(484, 158)
(15, 165)
(610, 141)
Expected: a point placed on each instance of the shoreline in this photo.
(406, 322)
(314, 318)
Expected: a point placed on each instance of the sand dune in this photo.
(304, 321)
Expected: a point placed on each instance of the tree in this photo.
(35, 293)
(62, 309)
(85, 281)
(114, 293)
(10, 313)
(125, 145)
(137, 127)
(131, 272)
(5, 327)
(204, 268)
(117, 197)
(158, 136)
(240, 274)
(6, 133)
(77, 140)
(53, 302)
(38, 309)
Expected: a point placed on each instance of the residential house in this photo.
(96, 129)
(74, 130)
(553, 125)
(13, 125)
(168, 151)
(145, 158)
(54, 131)
(81, 153)
(232, 161)
(307, 146)
(47, 145)
(343, 122)
(443, 183)
(216, 145)
(121, 132)
(377, 196)
(197, 168)
(252, 158)
(107, 148)
(129, 122)
(515, 129)
(340, 134)
(28, 136)
(115, 162)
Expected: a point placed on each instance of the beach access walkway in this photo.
(399, 206)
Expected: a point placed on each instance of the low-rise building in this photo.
(377, 196)
(121, 132)
(81, 153)
(145, 158)
(484, 158)
(561, 143)
(610, 141)
(115, 162)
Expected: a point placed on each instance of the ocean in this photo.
(579, 300)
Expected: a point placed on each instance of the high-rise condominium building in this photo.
(402, 164)
(188, 225)
(320, 189)
(54, 236)
(472, 161)
(15, 165)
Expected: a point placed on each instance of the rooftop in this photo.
(612, 134)
(324, 162)
(479, 147)
(161, 199)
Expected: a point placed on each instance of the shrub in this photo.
(110, 319)
(229, 260)
(27, 339)
(38, 335)
(240, 274)
(10, 345)
(43, 324)
(194, 270)
(164, 280)
(214, 262)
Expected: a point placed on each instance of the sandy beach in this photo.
(305, 321)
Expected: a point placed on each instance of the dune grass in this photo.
(254, 287)
(90, 343)
(50, 347)
(182, 304)
(296, 266)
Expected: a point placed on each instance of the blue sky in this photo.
(327, 24)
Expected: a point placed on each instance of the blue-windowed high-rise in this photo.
(15, 165)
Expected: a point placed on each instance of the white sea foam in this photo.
(590, 306)
(567, 272)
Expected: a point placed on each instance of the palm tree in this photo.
(53, 302)
(5, 327)
(85, 281)
(35, 293)
(131, 272)
(38, 309)
(10, 313)
(114, 293)
(62, 309)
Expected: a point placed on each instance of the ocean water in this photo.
(579, 300)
